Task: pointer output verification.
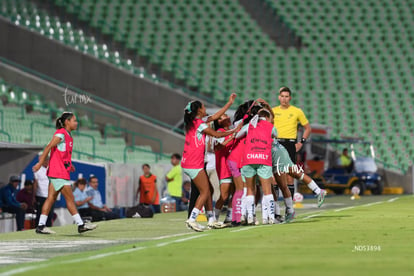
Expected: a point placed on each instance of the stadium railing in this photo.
(94, 97)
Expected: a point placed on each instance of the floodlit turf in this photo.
(372, 236)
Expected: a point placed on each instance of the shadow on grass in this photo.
(320, 218)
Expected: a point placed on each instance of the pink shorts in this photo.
(234, 168)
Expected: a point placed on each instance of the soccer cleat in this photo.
(273, 221)
(265, 221)
(194, 226)
(227, 223)
(243, 220)
(216, 225)
(290, 217)
(321, 197)
(250, 220)
(41, 229)
(278, 219)
(235, 224)
(86, 227)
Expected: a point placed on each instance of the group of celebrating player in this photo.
(249, 147)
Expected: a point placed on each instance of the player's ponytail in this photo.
(242, 110)
(60, 122)
(190, 112)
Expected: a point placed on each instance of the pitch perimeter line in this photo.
(25, 269)
(393, 199)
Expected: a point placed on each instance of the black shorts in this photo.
(289, 144)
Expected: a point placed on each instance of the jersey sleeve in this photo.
(274, 132)
(202, 127)
(60, 135)
(243, 131)
(302, 118)
(200, 130)
(171, 174)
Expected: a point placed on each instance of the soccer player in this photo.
(234, 163)
(286, 118)
(222, 147)
(281, 161)
(257, 160)
(194, 152)
(60, 165)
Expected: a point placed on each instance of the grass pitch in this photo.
(371, 236)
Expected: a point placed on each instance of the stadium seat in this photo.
(352, 54)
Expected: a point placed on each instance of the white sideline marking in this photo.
(99, 256)
(393, 199)
(244, 228)
(169, 236)
(180, 240)
(343, 209)
(372, 203)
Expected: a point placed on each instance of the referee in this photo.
(286, 122)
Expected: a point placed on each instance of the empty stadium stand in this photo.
(354, 70)
(28, 118)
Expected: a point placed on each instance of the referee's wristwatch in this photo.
(303, 140)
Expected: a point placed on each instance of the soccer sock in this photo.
(217, 213)
(276, 189)
(265, 208)
(194, 214)
(277, 208)
(42, 220)
(243, 203)
(271, 206)
(314, 187)
(210, 216)
(291, 189)
(250, 205)
(229, 214)
(236, 202)
(289, 205)
(77, 219)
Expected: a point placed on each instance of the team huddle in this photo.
(247, 150)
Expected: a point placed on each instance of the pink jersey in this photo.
(194, 148)
(236, 151)
(221, 159)
(61, 156)
(258, 148)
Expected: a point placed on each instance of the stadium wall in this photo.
(394, 179)
(14, 157)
